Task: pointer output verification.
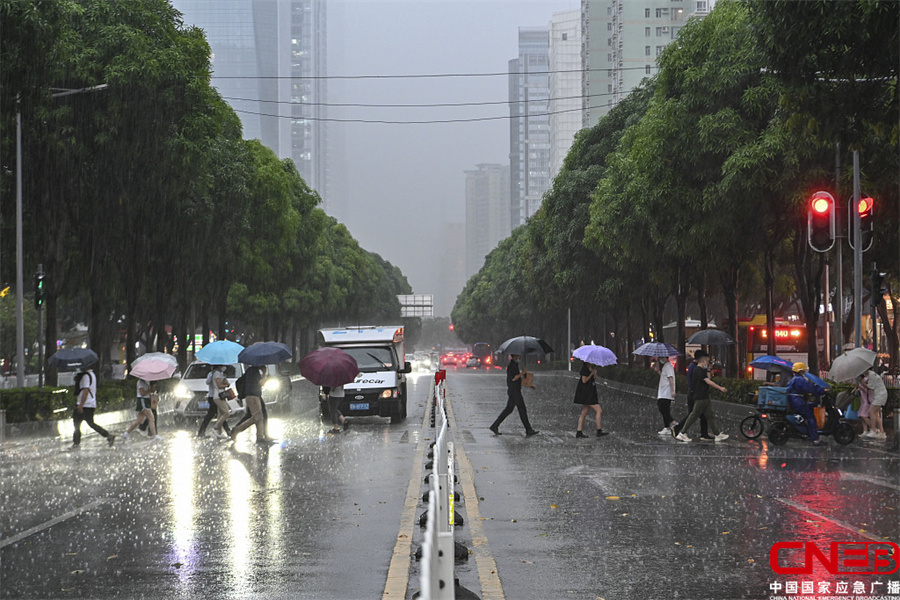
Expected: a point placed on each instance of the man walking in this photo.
(86, 384)
(704, 426)
(253, 400)
(702, 403)
(515, 399)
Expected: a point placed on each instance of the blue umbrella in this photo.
(73, 358)
(264, 353)
(772, 363)
(776, 363)
(657, 349)
(222, 352)
(595, 355)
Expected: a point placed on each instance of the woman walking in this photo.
(586, 395)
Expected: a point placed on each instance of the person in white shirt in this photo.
(335, 396)
(665, 394)
(86, 383)
(144, 410)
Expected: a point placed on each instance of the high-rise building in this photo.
(565, 105)
(453, 267)
(268, 59)
(622, 39)
(487, 212)
(529, 124)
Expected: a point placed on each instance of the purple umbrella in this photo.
(329, 366)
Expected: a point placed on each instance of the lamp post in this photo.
(20, 302)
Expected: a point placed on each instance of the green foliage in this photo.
(143, 199)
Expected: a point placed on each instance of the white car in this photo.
(190, 393)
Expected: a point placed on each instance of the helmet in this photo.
(799, 367)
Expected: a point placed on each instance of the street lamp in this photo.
(20, 301)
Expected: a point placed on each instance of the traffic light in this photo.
(820, 222)
(878, 287)
(40, 290)
(866, 222)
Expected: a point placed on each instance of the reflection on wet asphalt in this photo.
(628, 516)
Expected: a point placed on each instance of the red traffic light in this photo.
(820, 222)
(865, 206)
(821, 205)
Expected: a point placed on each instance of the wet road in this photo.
(627, 516)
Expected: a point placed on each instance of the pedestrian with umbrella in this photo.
(258, 356)
(85, 389)
(516, 347)
(586, 390)
(153, 367)
(143, 406)
(665, 393)
(331, 368)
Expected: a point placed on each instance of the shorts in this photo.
(141, 404)
(879, 399)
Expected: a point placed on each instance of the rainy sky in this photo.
(398, 184)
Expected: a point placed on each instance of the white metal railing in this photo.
(437, 577)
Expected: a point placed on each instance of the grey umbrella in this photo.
(711, 337)
(524, 345)
(73, 358)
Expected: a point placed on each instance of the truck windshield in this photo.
(372, 358)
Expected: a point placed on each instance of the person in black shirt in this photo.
(586, 395)
(514, 395)
(253, 400)
(702, 404)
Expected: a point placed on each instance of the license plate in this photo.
(202, 404)
(359, 406)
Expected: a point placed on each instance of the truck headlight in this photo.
(181, 391)
(389, 394)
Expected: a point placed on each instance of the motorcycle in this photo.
(794, 425)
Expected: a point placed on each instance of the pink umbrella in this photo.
(154, 366)
(329, 366)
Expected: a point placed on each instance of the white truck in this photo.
(380, 387)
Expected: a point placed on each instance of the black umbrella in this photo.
(524, 345)
(264, 353)
(73, 359)
(711, 337)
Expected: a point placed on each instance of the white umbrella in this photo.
(852, 364)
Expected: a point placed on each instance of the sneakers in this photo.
(496, 430)
(125, 437)
(682, 438)
(531, 432)
(867, 434)
(706, 438)
(600, 432)
(156, 438)
(580, 434)
(879, 436)
(721, 437)
(111, 439)
(818, 443)
(664, 431)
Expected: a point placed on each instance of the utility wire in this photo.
(431, 75)
(428, 122)
(433, 105)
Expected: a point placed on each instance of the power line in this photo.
(431, 75)
(429, 105)
(426, 122)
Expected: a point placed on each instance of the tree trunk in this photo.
(890, 333)
(730, 281)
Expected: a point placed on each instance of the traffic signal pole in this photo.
(857, 255)
(40, 274)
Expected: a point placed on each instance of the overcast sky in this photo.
(403, 181)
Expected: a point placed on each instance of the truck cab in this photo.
(380, 387)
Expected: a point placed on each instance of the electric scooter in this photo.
(794, 425)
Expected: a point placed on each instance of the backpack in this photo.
(241, 386)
